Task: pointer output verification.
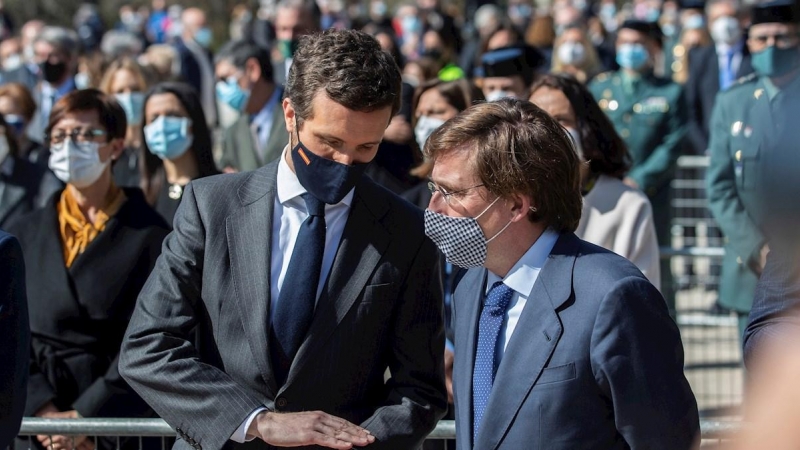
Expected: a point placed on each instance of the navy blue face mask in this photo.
(325, 179)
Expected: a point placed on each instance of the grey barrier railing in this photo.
(445, 429)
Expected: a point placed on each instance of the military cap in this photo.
(649, 29)
(776, 12)
(509, 61)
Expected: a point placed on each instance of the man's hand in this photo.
(308, 428)
(58, 442)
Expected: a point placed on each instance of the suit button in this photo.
(739, 260)
(738, 155)
(282, 402)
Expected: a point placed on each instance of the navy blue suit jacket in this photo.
(14, 338)
(595, 361)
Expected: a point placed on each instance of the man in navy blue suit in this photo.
(14, 338)
(559, 344)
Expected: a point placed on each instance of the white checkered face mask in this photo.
(461, 239)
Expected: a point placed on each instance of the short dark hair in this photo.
(349, 67)
(602, 146)
(517, 148)
(110, 113)
(239, 52)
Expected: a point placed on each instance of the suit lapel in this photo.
(533, 342)
(363, 242)
(249, 235)
(469, 297)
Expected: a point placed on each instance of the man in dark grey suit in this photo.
(15, 338)
(244, 82)
(294, 337)
(559, 344)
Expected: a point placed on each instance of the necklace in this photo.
(175, 191)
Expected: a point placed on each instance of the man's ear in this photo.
(289, 115)
(521, 205)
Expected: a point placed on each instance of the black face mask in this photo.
(325, 179)
(53, 73)
(433, 53)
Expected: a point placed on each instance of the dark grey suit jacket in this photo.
(595, 361)
(15, 337)
(381, 308)
(239, 148)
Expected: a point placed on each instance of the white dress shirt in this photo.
(288, 214)
(521, 279)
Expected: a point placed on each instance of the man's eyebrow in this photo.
(330, 137)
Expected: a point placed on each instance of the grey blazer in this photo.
(381, 308)
(239, 146)
(595, 361)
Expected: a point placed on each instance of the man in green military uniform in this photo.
(754, 137)
(650, 114)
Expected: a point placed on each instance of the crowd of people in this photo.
(435, 159)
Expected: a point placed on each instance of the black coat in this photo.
(701, 92)
(24, 186)
(78, 315)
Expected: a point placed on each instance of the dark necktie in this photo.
(494, 311)
(298, 295)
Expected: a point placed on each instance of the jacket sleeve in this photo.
(637, 360)
(417, 397)
(158, 358)
(15, 338)
(656, 170)
(742, 233)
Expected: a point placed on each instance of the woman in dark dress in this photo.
(177, 145)
(88, 252)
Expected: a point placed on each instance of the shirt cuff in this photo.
(240, 435)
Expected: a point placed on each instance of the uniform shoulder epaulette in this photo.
(745, 79)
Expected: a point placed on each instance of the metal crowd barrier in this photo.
(446, 429)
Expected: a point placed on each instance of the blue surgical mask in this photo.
(775, 62)
(133, 105)
(694, 22)
(203, 37)
(632, 56)
(16, 123)
(325, 179)
(168, 137)
(230, 93)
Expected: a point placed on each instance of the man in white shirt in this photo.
(559, 344)
(285, 294)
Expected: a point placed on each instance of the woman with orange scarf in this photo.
(88, 252)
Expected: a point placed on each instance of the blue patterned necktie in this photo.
(727, 76)
(298, 295)
(494, 311)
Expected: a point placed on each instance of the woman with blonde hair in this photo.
(125, 80)
(575, 55)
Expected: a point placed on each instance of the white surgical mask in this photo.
(4, 148)
(726, 30)
(77, 163)
(12, 62)
(498, 95)
(82, 80)
(425, 127)
(571, 53)
(461, 239)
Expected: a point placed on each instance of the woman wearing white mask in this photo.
(88, 252)
(575, 55)
(177, 145)
(124, 79)
(18, 107)
(436, 102)
(615, 216)
(24, 186)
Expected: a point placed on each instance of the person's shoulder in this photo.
(7, 241)
(246, 186)
(608, 187)
(742, 86)
(137, 213)
(602, 269)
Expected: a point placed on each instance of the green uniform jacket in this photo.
(742, 129)
(652, 121)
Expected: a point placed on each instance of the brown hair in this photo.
(517, 148)
(123, 64)
(349, 67)
(110, 113)
(541, 32)
(22, 97)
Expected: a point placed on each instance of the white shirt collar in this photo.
(523, 275)
(289, 186)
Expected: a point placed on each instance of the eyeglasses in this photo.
(77, 135)
(781, 40)
(448, 195)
